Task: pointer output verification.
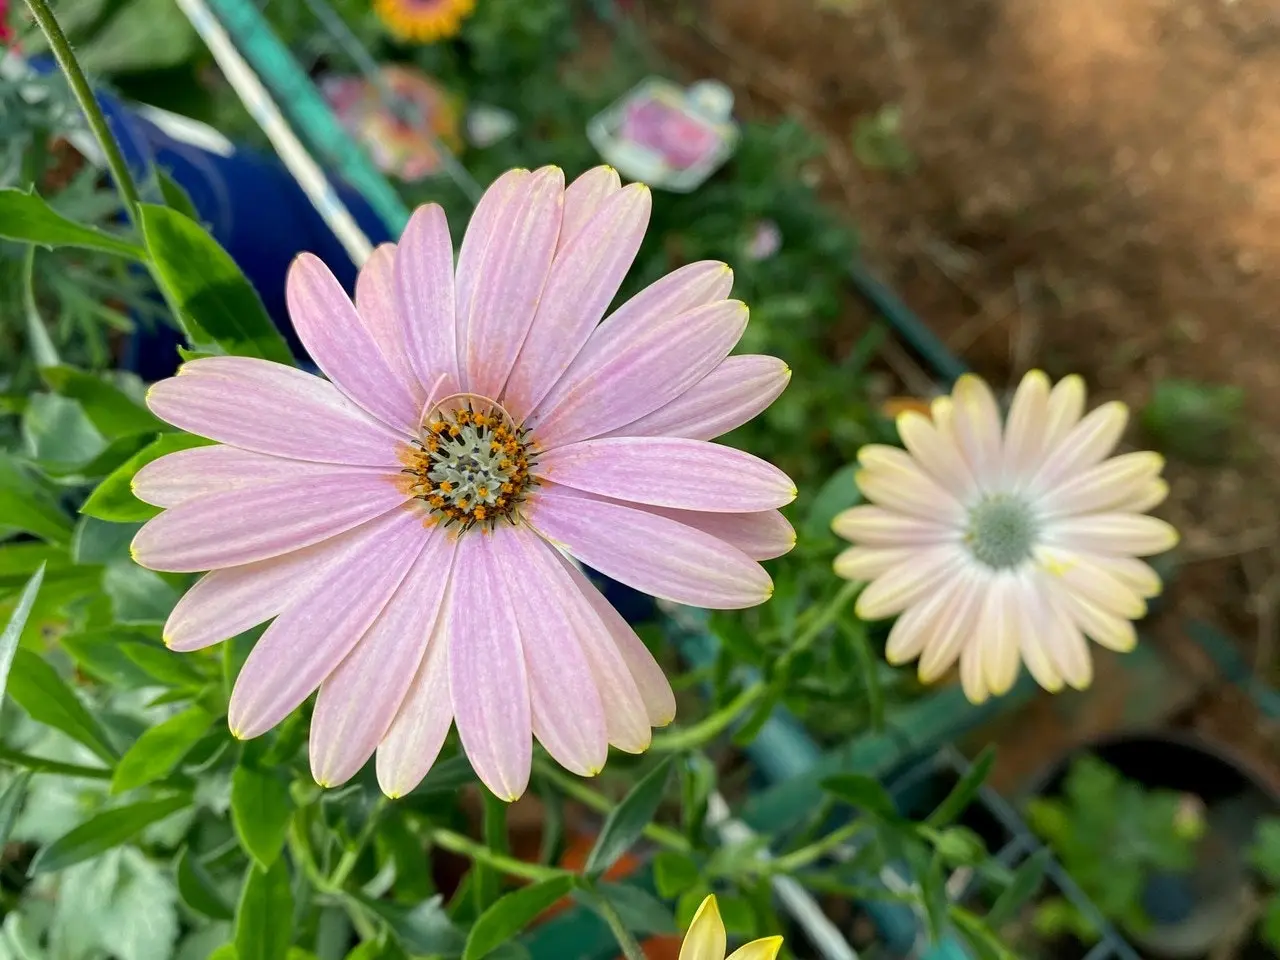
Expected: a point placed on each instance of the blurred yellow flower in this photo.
(706, 938)
(424, 21)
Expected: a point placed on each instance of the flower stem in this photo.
(630, 948)
(350, 856)
(88, 103)
(821, 622)
(710, 727)
(457, 843)
(663, 836)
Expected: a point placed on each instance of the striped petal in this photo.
(379, 310)
(1107, 629)
(653, 554)
(618, 382)
(360, 699)
(956, 624)
(691, 286)
(1079, 574)
(932, 446)
(256, 523)
(890, 478)
(1106, 486)
(584, 197)
(1091, 440)
(500, 283)
(670, 472)
(219, 468)
(422, 278)
(1112, 534)
(876, 526)
(555, 624)
(584, 279)
(736, 391)
(307, 642)
(1025, 429)
(977, 429)
(1066, 407)
(270, 408)
(761, 535)
(867, 563)
(341, 345)
(923, 621)
(903, 585)
(488, 680)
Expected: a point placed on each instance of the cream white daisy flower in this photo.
(1005, 546)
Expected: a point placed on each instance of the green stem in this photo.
(630, 948)
(41, 765)
(570, 787)
(457, 843)
(791, 862)
(710, 727)
(350, 856)
(88, 103)
(820, 623)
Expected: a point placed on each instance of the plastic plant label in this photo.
(486, 125)
(668, 136)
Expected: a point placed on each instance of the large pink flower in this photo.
(404, 520)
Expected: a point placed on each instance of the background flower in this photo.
(706, 939)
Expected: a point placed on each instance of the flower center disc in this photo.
(1002, 531)
(471, 464)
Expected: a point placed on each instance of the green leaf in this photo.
(27, 218)
(865, 793)
(97, 542)
(958, 800)
(837, 494)
(11, 803)
(114, 500)
(175, 196)
(101, 654)
(40, 345)
(260, 811)
(215, 299)
(160, 749)
(264, 917)
(168, 667)
(422, 929)
(59, 435)
(17, 623)
(1024, 885)
(104, 831)
(143, 35)
(511, 914)
(27, 505)
(110, 409)
(36, 687)
(959, 846)
(628, 819)
(1265, 852)
(674, 873)
(197, 889)
(138, 595)
(639, 910)
(1270, 926)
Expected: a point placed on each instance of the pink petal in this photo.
(499, 290)
(669, 472)
(584, 279)
(341, 346)
(200, 471)
(226, 602)
(650, 553)
(488, 681)
(555, 623)
(270, 408)
(619, 382)
(736, 391)
(424, 292)
(646, 676)
(379, 310)
(583, 198)
(762, 535)
(415, 737)
(493, 205)
(361, 698)
(308, 641)
(256, 523)
(693, 285)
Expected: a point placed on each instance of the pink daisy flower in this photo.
(405, 521)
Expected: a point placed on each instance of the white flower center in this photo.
(471, 465)
(1002, 531)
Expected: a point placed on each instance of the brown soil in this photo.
(1095, 188)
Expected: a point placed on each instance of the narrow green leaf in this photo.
(98, 542)
(44, 765)
(868, 668)
(260, 811)
(36, 687)
(197, 889)
(638, 909)
(175, 196)
(958, 800)
(104, 831)
(216, 301)
(101, 654)
(108, 408)
(1024, 885)
(628, 819)
(17, 623)
(511, 914)
(138, 595)
(39, 344)
(865, 793)
(114, 500)
(264, 917)
(837, 494)
(11, 803)
(160, 749)
(166, 666)
(27, 218)
(27, 505)
(422, 929)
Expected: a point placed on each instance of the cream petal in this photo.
(867, 563)
(1104, 487)
(1105, 629)
(1025, 429)
(923, 621)
(977, 429)
(1033, 629)
(890, 478)
(955, 625)
(907, 583)
(1066, 407)
(1112, 534)
(1089, 442)
(1148, 497)
(931, 443)
(1061, 638)
(706, 939)
(972, 679)
(997, 633)
(1079, 574)
(878, 527)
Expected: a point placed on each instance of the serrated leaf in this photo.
(958, 800)
(511, 914)
(215, 300)
(197, 889)
(36, 687)
(27, 218)
(260, 810)
(113, 498)
(104, 831)
(264, 917)
(17, 623)
(160, 749)
(627, 821)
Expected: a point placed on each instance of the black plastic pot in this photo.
(1194, 912)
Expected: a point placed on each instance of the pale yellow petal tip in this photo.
(709, 909)
(324, 784)
(766, 948)
(166, 640)
(238, 733)
(1036, 375)
(787, 372)
(393, 794)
